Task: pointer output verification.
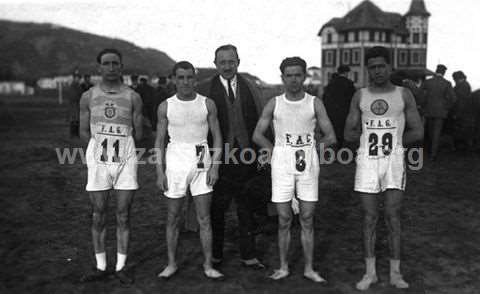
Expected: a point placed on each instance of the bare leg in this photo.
(202, 205)
(307, 210)
(369, 204)
(99, 206)
(393, 203)
(124, 202)
(173, 215)
(284, 223)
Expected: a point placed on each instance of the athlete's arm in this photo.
(324, 124)
(262, 126)
(353, 129)
(137, 116)
(85, 117)
(413, 123)
(217, 141)
(160, 145)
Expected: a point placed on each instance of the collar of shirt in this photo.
(233, 83)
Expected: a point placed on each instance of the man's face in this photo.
(227, 63)
(110, 67)
(378, 70)
(293, 78)
(185, 80)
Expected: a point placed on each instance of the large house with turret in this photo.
(345, 40)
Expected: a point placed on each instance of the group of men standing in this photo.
(220, 135)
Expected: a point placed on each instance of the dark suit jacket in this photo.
(439, 97)
(337, 97)
(214, 89)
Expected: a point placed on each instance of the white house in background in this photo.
(346, 39)
(15, 87)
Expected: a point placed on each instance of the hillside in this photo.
(32, 50)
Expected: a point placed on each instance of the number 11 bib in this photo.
(111, 143)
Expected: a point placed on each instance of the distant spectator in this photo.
(134, 80)
(463, 112)
(476, 115)
(72, 94)
(86, 84)
(146, 93)
(337, 97)
(439, 99)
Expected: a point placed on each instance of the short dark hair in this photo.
(441, 69)
(458, 75)
(225, 48)
(182, 65)
(107, 51)
(343, 69)
(378, 51)
(293, 61)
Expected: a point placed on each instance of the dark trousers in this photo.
(74, 128)
(232, 185)
(435, 126)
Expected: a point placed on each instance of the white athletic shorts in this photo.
(186, 167)
(375, 175)
(295, 170)
(111, 164)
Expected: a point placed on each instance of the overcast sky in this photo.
(264, 31)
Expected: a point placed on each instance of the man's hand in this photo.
(162, 182)
(212, 176)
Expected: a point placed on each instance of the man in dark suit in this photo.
(337, 97)
(439, 99)
(239, 104)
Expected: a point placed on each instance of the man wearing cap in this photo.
(337, 97)
(463, 111)
(439, 99)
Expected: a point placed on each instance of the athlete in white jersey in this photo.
(295, 164)
(187, 117)
(384, 119)
(110, 115)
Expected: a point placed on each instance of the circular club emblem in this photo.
(379, 107)
(110, 111)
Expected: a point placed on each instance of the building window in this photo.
(356, 56)
(329, 38)
(357, 36)
(415, 57)
(329, 58)
(329, 76)
(403, 57)
(377, 36)
(346, 56)
(388, 37)
(351, 36)
(425, 38)
(416, 38)
(355, 76)
(371, 36)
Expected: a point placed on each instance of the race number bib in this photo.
(111, 143)
(381, 137)
(203, 157)
(299, 152)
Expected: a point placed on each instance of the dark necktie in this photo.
(231, 95)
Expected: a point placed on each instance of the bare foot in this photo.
(168, 272)
(280, 274)
(314, 277)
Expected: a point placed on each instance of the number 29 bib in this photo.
(381, 138)
(111, 143)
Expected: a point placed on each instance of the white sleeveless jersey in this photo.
(187, 120)
(111, 123)
(383, 122)
(294, 125)
(294, 121)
